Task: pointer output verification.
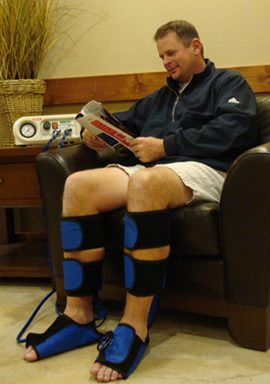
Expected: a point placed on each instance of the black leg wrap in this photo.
(150, 229)
(144, 278)
(82, 279)
(82, 232)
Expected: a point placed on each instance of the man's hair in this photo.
(184, 30)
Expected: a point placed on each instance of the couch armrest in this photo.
(245, 228)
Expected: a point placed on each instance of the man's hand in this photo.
(147, 149)
(92, 141)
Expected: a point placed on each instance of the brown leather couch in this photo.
(220, 254)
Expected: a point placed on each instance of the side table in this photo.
(27, 257)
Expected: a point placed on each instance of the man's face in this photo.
(178, 60)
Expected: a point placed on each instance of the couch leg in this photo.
(249, 326)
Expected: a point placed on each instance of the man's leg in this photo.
(153, 190)
(87, 194)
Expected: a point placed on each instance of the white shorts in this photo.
(205, 182)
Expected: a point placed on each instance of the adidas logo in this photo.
(233, 100)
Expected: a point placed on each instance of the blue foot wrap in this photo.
(150, 229)
(82, 232)
(121, 350)
(82, 279)
(63, 335)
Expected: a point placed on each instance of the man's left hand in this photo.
(147, 149)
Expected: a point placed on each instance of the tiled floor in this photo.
(184, 349)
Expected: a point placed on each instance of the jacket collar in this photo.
(210, 66)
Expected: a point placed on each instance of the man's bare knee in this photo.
(96, 190)
(76, 194)
(147, 188)
(158, 188)
(144, 181)
(73, 184)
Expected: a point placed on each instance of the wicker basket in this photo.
(18, 98)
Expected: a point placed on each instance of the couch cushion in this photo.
(196, 230)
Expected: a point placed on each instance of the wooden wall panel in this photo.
(129, 87)
(258, 77)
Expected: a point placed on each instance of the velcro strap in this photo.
(150, 229)
(143, 277)
(82, 232)
(82, 279)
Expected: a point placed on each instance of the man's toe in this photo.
(94, 369)
(30, 355)
(101, 374)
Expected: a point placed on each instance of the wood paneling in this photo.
(129, 87)
(258, 77)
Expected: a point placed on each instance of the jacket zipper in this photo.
(174, 106)
(178, 95)
(175, 103)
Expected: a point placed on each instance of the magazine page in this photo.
(108, 132)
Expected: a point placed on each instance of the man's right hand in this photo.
(92, 141)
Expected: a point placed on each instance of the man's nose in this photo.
(166, 60)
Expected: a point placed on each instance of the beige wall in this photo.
(116, 36)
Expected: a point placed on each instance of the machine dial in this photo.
(28, 130)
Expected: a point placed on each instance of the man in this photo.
(188, 134)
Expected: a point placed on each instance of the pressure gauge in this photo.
(28, 130)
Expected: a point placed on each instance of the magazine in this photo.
(105, 126)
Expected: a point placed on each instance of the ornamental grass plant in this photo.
(28, 29)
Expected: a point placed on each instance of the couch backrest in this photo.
(263, 102)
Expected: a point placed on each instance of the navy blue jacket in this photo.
(212, 121)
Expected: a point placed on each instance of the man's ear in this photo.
(197, 46)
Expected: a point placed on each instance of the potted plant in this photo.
(28, 29)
